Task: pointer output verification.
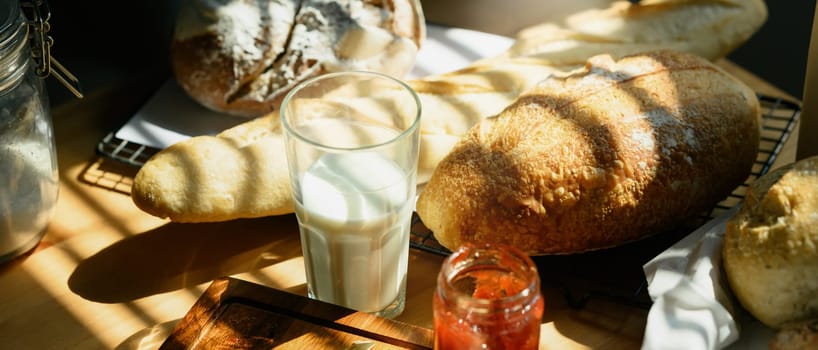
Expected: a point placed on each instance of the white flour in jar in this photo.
(28, 179)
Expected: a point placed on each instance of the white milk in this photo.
(355, 215)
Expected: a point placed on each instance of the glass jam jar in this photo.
(487, 297)
(29, 181)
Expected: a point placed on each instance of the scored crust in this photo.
(241, 57)
(604, 155)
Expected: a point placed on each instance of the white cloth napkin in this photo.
(691, 304)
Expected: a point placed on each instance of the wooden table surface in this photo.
(108, 276)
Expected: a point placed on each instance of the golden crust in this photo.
(770, 249)
(216, 178)
(602, 156)
(623, 28)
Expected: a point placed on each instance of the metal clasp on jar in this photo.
(37, 14)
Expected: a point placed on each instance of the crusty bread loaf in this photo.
(604, 155)
(770, 250)
(242, 57)
(708, 28)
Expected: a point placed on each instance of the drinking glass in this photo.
(352, 151)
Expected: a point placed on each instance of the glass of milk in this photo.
(352, 148)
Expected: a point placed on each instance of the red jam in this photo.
(487, 297)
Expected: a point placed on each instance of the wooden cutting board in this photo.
(237, 314)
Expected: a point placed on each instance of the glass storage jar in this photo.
(29, 182)
(487, 297)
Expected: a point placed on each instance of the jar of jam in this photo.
(487, 297)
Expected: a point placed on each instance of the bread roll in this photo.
(708, 28)
(604, 155)
(241, 57)
(770, 250)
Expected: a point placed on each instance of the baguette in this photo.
(708, 28)
(242, 172)
(605, 155)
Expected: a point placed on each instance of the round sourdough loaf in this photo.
(241, 57)
(597, 157)
(770, 250)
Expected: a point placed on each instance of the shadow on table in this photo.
(176, 256)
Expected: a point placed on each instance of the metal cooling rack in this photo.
(125, 151)
(580, 277)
